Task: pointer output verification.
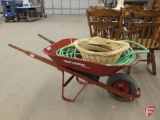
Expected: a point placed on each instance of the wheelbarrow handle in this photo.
(50, 41)
(17, 48)
(33, 55)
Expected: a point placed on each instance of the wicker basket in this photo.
(110, 57)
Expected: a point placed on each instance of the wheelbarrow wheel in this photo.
(124, 83)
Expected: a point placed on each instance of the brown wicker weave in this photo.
(110, 57)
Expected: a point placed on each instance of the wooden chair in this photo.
(144, 31)
(104, 23)
(127, 17)
(133, 8)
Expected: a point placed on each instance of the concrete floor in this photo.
(31, 90)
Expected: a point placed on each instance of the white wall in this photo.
(67, 6)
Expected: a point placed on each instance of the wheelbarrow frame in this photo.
(77, 75)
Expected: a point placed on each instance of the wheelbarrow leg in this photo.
(65, 83)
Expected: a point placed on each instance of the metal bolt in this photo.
(31, 55)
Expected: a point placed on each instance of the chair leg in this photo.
(104, 34)
(148, 58)
(153, 62)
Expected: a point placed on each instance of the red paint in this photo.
(149, 110)
(121, 86)
(85, 66)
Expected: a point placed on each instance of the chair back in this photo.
(104, 23)
(133, 8)
(145, 29)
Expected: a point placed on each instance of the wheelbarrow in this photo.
(120, 86)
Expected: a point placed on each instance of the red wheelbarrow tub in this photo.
(81, 65)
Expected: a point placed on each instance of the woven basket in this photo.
(110, 57)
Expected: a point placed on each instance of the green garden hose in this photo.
(126, 57)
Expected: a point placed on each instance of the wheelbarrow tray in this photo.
(80, 64)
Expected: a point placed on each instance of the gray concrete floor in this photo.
(31, 90)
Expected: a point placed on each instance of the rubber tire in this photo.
(45, 16)
(16, 19)
(121, 77)
(6, 20)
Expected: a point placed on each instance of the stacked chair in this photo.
(104, 23)
(127, 17)
(131, 23)
(145, 30)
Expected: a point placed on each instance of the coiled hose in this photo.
(126, 57)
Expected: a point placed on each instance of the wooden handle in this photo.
(50, 41)
(34, 55)
(15, 47)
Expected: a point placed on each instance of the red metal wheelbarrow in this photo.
(120, 86)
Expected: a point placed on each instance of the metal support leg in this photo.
(65, 83)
